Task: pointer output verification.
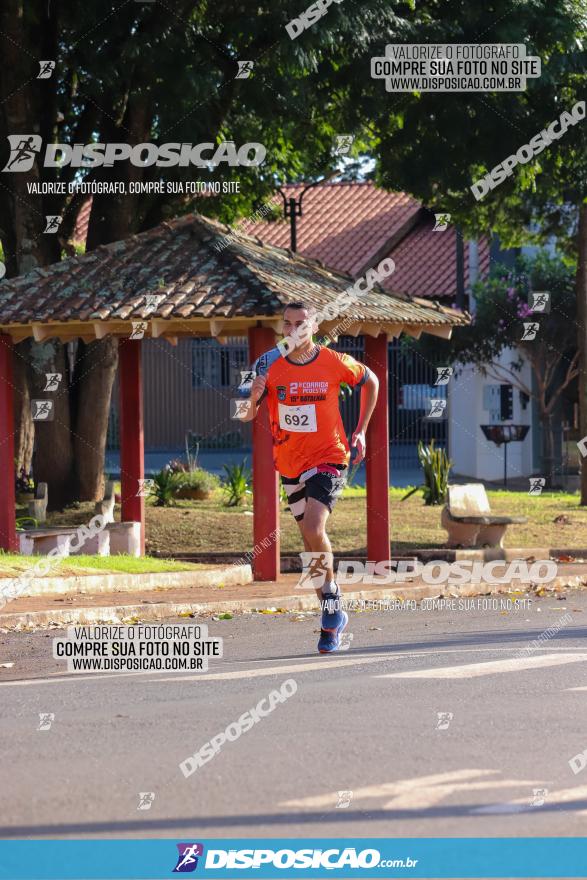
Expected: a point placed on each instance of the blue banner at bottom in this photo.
(298, 857)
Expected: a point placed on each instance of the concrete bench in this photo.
(114, 539)
(38, 542)
(38, 507)
(468, 519)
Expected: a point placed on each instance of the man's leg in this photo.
(313, 529)
(334, 617)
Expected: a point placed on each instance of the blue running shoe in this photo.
(334, 622)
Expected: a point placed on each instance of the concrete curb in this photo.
(230, 575)
(161, 610)
(290, 562)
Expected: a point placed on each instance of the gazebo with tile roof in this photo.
(205, 286)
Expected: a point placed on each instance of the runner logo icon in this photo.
(187, 860)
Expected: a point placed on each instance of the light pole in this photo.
(292, 209)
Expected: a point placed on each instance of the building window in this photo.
(218, 366)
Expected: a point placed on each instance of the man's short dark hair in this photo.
(298, 304)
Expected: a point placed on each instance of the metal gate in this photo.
(187, 389)
(411, 387)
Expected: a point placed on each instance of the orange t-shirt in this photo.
(304, 414)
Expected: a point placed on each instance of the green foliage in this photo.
(436, 466)
(166, 484)
(192, 451)
(26, 522)
(198, 478)
(237, 483)
(502, 306)
(435, 146)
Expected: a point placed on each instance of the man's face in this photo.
(299, 325)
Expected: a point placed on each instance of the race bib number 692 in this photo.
(300, 419)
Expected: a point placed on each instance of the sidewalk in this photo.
(282, 595)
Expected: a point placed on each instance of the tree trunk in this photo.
(53, 457)
(112, 218)
(581, 288)
(96, 367)
(548, 450)
(24, 427)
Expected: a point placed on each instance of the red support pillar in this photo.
(377, 458)
(265, 479)
(7, 500)
(132, 445)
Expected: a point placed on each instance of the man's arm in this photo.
(369, 392)
(257, 391)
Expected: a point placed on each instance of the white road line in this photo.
(417, 792)
(492, 667)
(211, 676)
(551, 799)
(326, 663)
(349, 659)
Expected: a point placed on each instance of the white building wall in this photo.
(472, 455)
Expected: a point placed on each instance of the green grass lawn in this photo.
(12, 564)
(555, 520)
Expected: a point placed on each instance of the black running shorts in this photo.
(324, 483)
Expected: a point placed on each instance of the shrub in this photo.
(198, 479)
(166, 484)
(436, 465)
(236, 483)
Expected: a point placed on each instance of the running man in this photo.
(310, 447)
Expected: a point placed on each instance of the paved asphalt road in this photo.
(363, 721)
